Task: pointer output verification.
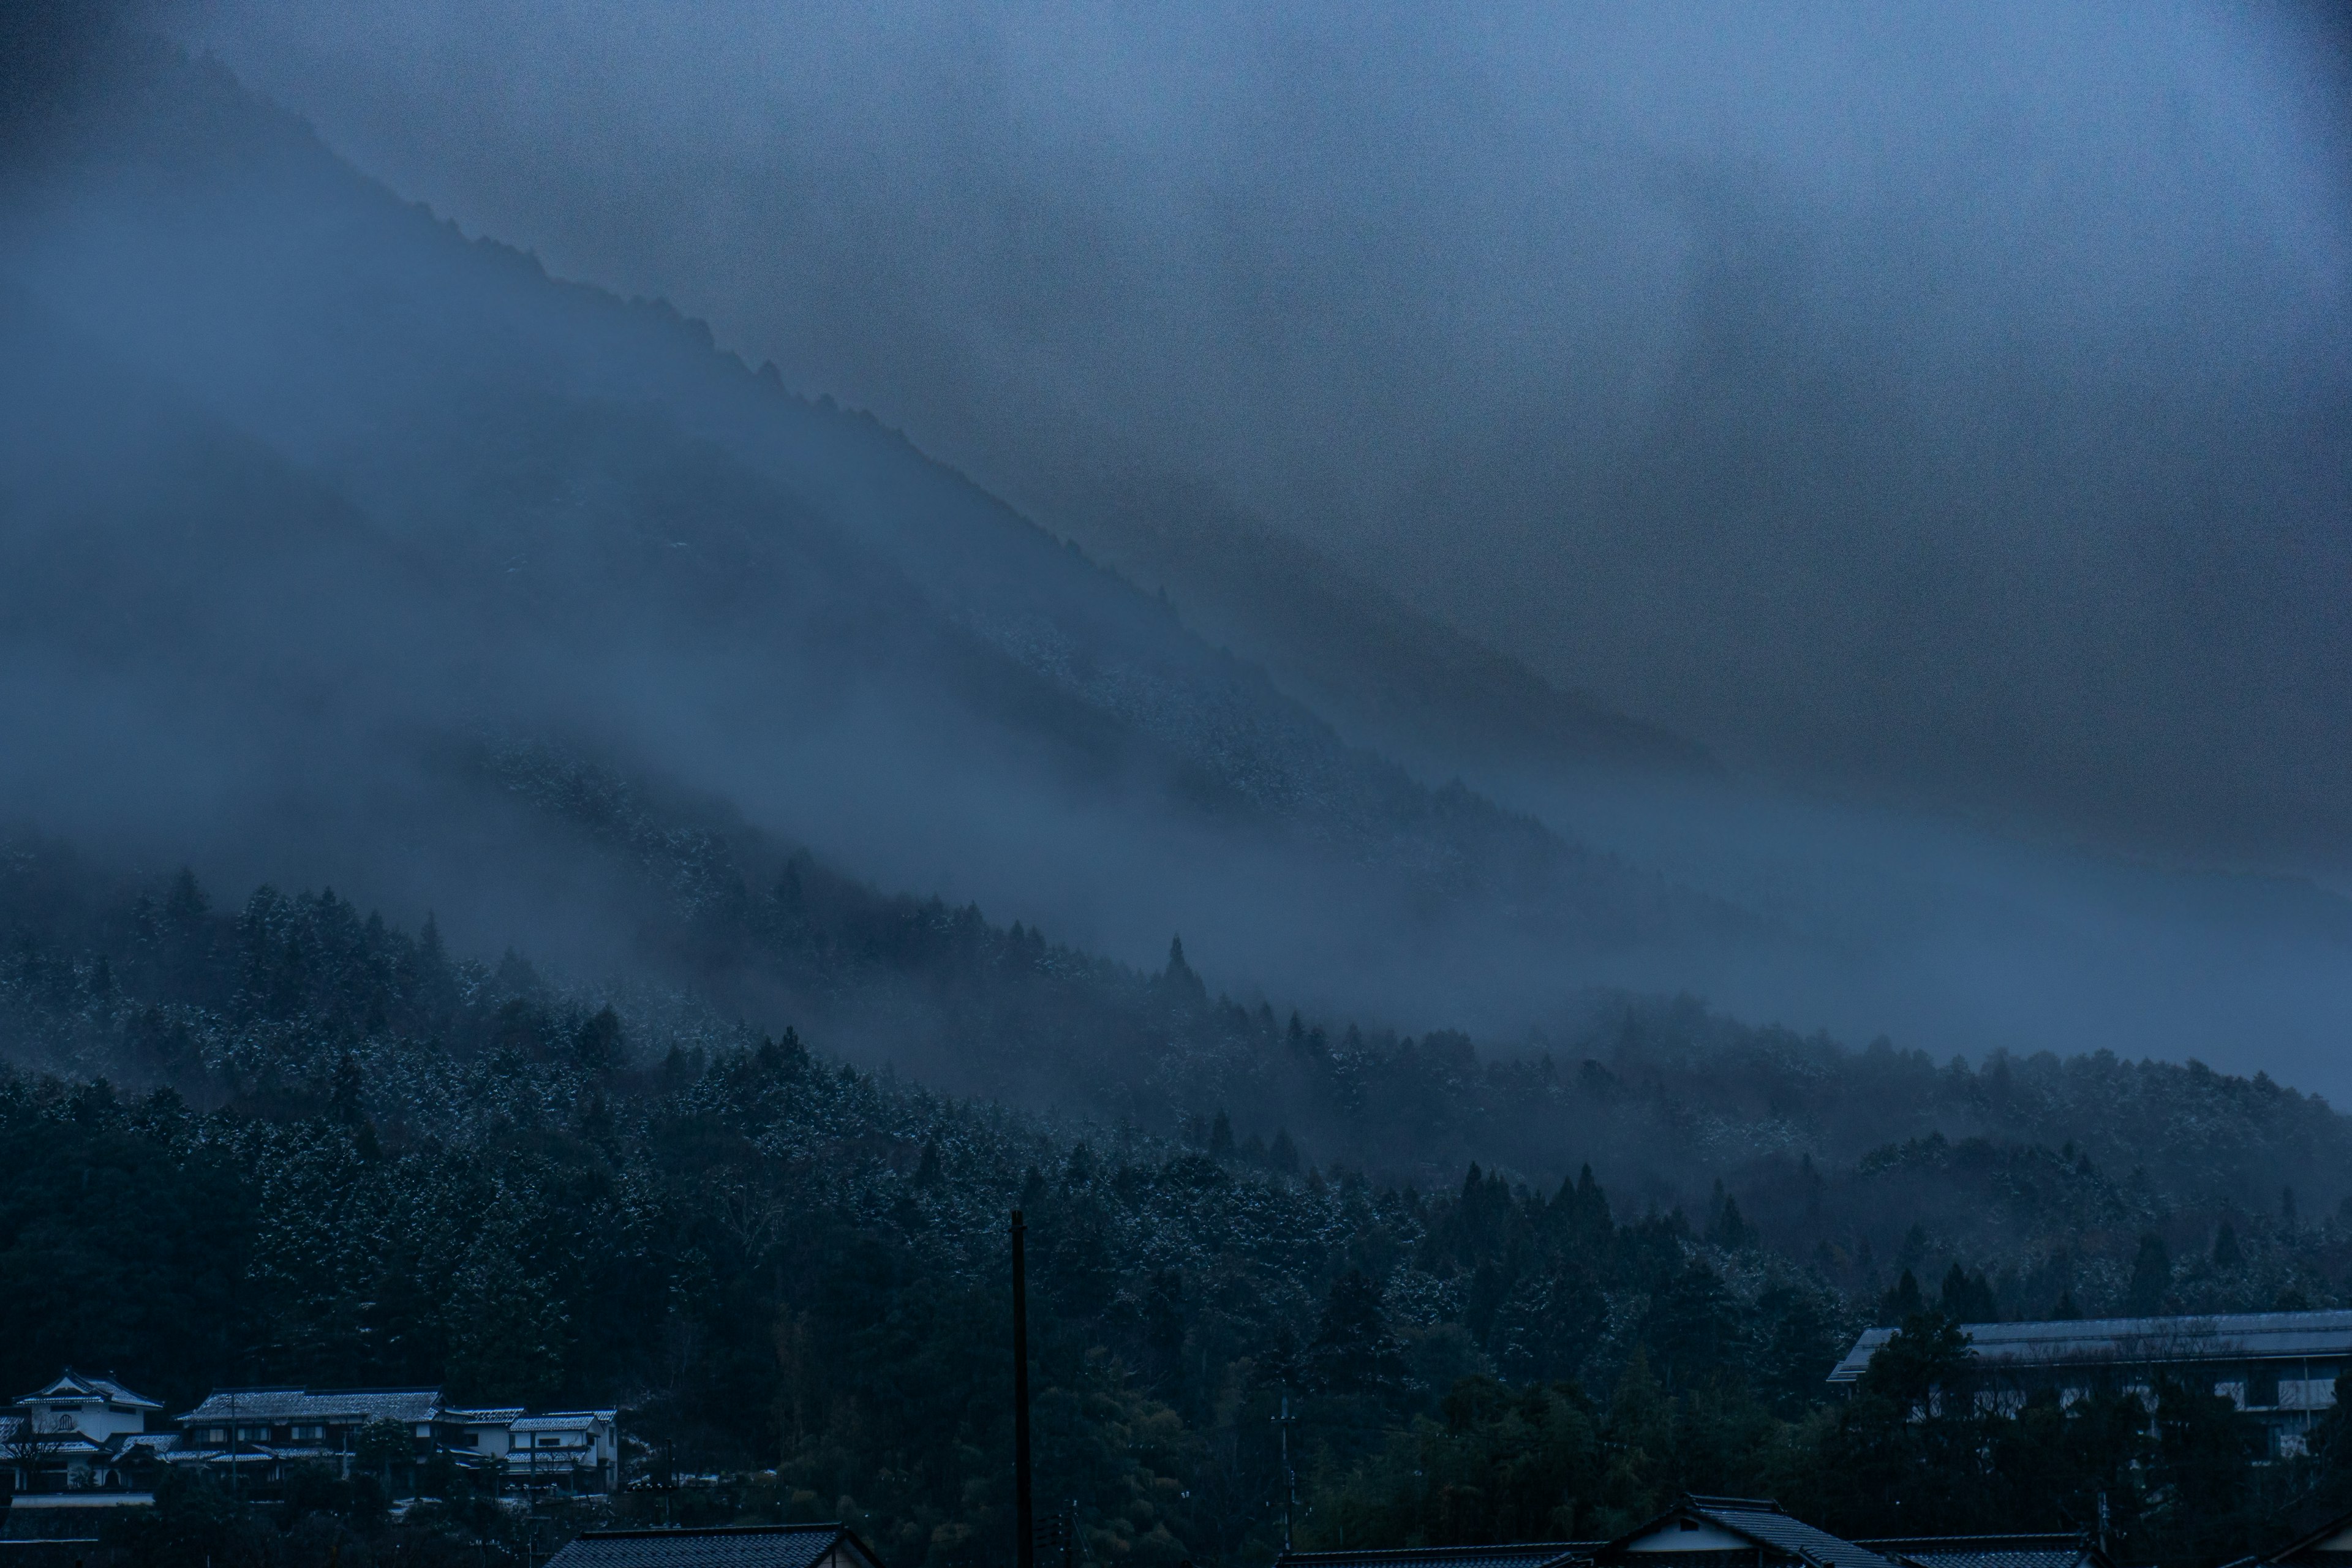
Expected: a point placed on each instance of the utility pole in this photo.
(1284, 1422)
(1025, 1542)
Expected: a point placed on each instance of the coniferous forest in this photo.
(299, 1145)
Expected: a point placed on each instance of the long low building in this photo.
(2278, 1366)
(92, 1436)
(1720, 1532)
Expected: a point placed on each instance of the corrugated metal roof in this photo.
(2230, 1336)
(410, 1405)
(758, 1546)
(1518, 1554)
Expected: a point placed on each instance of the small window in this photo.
(1687, 1525)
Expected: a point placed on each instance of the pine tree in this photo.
(2151, 1278)
(2226, 1254)
(1221, 1136)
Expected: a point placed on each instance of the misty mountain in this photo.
(1387, 675)
(307, 492)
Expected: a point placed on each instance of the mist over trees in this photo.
(536, 860)
(301, 1144)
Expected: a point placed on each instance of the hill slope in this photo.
(348, 488)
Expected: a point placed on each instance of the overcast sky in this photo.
(1950, 399)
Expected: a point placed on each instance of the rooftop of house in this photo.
(2048, 1551)
(499, 1415)
(2317, 1535)
(1519, 1554)
(563, 1420)
(2230, 1336)
(75, 1385)
(754, 1546)
(1757, 1521)
(223, 1406)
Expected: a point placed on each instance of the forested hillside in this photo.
(356, 485)
(288, 1141)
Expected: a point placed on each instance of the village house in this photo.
(2280, 1367)
(250, 1435)
(580, 1448)
(1731, 1533)
(736, 1546)
(79, 1434)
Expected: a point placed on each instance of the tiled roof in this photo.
(762, 1546)
(1519, 1554)
(2312, 1523)
(71, 1383)
(500, 1416)
(1755, 1519)
(563, 1420)
(274, 1404)
(1986, 1550)
(154, 1442)
(1764, 1523)
(2229, 1336)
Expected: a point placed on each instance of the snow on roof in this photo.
(563, 1420)
(754, 1546)
(339, 1404)
(72, 1385)
(1756, 1520)
(2232, 1336)
(2059, 1550)
(1519, 1554)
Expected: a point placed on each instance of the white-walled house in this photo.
(82, 1435)
(2280, 1368)
(486, 1437)
(580, 1447)
(79, 1433)
(254, 1434)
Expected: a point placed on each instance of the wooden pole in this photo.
(1024, 1553)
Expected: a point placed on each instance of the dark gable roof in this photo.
(70, 1383)
(752, 1546)
(2059, 1550)
(2312, 1524)
(1521, 1554)
(1759, 1520)
(336, 1404)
